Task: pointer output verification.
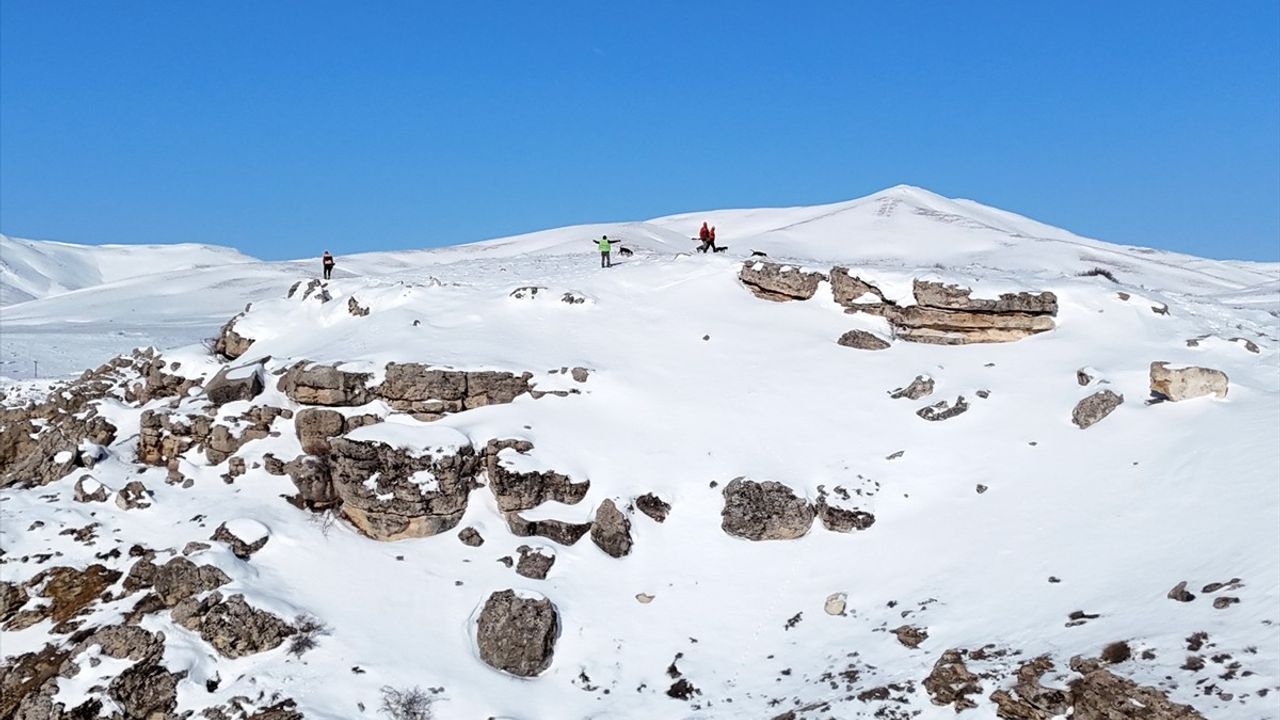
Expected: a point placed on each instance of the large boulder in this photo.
(1174, 383)
(852, 291)
(392, 493)
(956, 327)
(862, 340)
(233, 627)
(309, 384)
(764, 511)
(432, 392)
(517, 634)
(611, 531)
(230, 344)
(778, 282)
(1095, 407)
(180, 579)
(232, 384)
(517, 487)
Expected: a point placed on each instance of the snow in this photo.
(248, 530)
(1120, 512)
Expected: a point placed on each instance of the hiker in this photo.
(605, 245)
(706, 237)
(713, 239)
(327, 261)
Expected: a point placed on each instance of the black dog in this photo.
(757, 253)
(624, 252)
(722, 248)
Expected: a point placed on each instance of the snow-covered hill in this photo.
(1004, 532)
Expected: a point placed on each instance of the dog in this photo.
(757, 253)
(722, 248)
(625, 252)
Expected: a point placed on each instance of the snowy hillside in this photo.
(386, 454)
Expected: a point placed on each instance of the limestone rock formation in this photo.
(837, 519)
(764, 511)
(611, 531)
(953, 297)
(310, 384)
(852, 291)
(1095, 407)
(1102, 695)
(778, 282)
(862, 340)
(534, 563)
(517, 634)
(517, 490)
(424, 390)
(1176, 384)
(232, 384)
(951, 682)
(922, 386)
(255, 536)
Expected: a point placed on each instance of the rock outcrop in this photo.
(232, 384)
(229, 343)
(778, 282)
(942, 410)
(233, 627)
(611, 531)
(432, 392)
(517, 490)
(1095, 407)
(947, 315)
(922, 386)
(1176, 384)
(951, 682)
(311, 384)
(517, 634)
(861, 340)
(852, 291)
(764, 511)
(1101, 695)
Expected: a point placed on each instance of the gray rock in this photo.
(516, 491)
(862, 340)
(88, 489)
(534, 563)
(764, 511)
(180, 579)
(560, 531)
(233, 384)
(134, 496)
(779, 282)
(954, 297)
(236, 629)
(849, 290)
(239, 547)
(1095, 407)
(943, 410)
(471, 537)
(922, 386)
(146, 691)
(517, 635)
(314, 427)
(843, 520)
(310, 384)
(1177, 384)
(653, 506)
(611, 531)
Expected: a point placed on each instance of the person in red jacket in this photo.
(713, 238)
(706, 237)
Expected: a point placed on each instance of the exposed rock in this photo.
(835, 603)
(243, 548)
(1101, 695)
(611, 531)
(355, 308)
(517, 634)
(1223, 602)
(146, 691)
(534, 563)
(314, 427)
(233, 627)
(33, 453)
(1083, 377)
(954, 297)
(921, 324)
(1095, 407)
(1180, 593)
(12, 597)
(764, 511)
(421, 389)
(231, 344)
(88, 489)
(950, 682)
(66, 592)
(910, 635)
(309, 384)
(565, 533)
(852, 291)
(395, 493)
(862, 340)
(134, 496)
(653, 506)
(470, 536)
(310, 474)
(644, 598)
(943, 410)
(922, 386)
(778, 282)
(524, 490)
(838, 519)
(1029, 700)
(1176, 384)
(180, 579)
(124, 642)
(232, 384)
(526, 291)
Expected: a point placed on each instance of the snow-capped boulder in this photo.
(611, 531)
(535, 563)
(310, 384)
(1184, 383)
(516, 486)
(232, 384)
(134, 496)
(852, 291)
(233, 627)
(943, 410)
(778, 282)
(244, 536)
(231, 344)
(1095, 407)
(764, 511)
(517, 634)
(953, 297)
(88, 489)
(862, 340)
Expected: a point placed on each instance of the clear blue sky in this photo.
(285, 127)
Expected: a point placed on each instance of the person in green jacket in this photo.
(605, 245)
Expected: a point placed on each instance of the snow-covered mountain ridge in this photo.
(706, 504)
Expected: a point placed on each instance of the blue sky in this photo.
(285, 127)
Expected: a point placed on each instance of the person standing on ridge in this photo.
(605, 245)
(713, 238)
(327, 261)
(705, 236)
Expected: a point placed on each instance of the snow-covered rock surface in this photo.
(894, 563)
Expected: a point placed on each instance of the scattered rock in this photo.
(470, 536)
(838, 519)
(922, 386)
(862, 340)
(1176, 384)
(355, 308)
(517, 634)
(245, 537)
(134, 496)
(534, 563)
(950, 682)
(910, 635)
(611, 531)
(764, 511)
(653, 506)
(88, 489)
(1180, 593)
(943, 410)
(1101, 695)
(1095, 407)
(835, 603)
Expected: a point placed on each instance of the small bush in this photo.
(408, 704)
(1098, 272)
(309, 628)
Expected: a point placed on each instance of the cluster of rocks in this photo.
(772, 511)
(166, 434)
(942, 314)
